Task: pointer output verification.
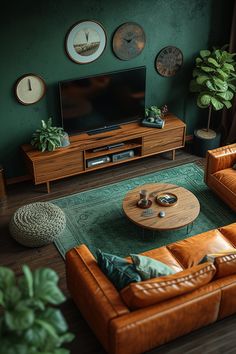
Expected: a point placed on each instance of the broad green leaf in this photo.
(201, 79)
(36, 335)
(199, 102)
(50, 293)
(1, 298)
(49, 124)
(12, 295)
(48, 328)
(232, 87)
(44, 125)
(221, 85)
(61, 351)
(42, 275)
(198, 72)
(207, 69)
(205, 100)
(217, 105)
(56, 319)
(210, 85)
(228, 66)
(213, 62)
(198, 60)
(223, 74)
(68, 337)
(227, 104)
(7, 278)
(19, 320)
(228, 95)
(29, 279)
(51, 146)
(205, 53)
(8, 346)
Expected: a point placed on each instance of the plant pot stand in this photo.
(205, 140)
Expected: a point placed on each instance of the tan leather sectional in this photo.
(219, 174)
(147, 314)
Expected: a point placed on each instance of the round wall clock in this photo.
(30, 88)
(85, 42)
(128, 41)
(169, 61)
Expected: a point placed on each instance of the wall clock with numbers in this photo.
(168, 61)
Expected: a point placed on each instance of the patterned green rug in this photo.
(95, 217)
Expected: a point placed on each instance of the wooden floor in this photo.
(217, 338)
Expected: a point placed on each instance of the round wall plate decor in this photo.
(85, 41)
(29, 89)
(128, 41)
(168, 61)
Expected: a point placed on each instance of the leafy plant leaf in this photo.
(205, 100)
(12, 296)
(207, 69)
(205, 53)
(213, 62)
(29, 279)
(56, 319)
(19, 320)
(50, 293)
(201, 79)
(7, 278)
(228, 95)
(217, 105)
(227, 104)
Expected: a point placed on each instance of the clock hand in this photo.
(29, 84)
(128, 40)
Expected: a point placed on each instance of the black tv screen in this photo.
(103, 101)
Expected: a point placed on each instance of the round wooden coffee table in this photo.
(183, 213)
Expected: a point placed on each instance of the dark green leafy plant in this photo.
(153, 111)
(48, 137)
(28, 324)
(213, 80)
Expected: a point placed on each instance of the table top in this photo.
(183, 213)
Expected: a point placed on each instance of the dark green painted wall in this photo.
(32, 40)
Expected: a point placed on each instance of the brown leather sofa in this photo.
(146, 314)
(219, 174)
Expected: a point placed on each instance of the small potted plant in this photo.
(48, 138)
(29, 320)
(154, 116)
(212, 81)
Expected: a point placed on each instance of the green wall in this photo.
(32, 40)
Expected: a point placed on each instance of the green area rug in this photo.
(96, 218)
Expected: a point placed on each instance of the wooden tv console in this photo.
(45, 167)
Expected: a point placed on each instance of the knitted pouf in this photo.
(37, 224)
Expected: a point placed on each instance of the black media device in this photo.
(102, 102)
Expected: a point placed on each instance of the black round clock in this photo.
(168, 61)
(128, 41)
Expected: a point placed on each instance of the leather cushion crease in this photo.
(204, 298)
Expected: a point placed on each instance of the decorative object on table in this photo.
(144, 202)
(162, 214)
(85, 41)
(29, 89)
(48, 138)
(147, 212)
(169, 61)
(166, 199)
(154, 117)
(65, 140)
(30, 322)
(37, 224)
(212, 80)
(128, 41)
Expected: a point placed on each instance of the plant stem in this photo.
(209, 117)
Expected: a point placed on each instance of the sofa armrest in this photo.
(219, 159)
(96, 297)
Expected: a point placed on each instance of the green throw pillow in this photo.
(150, 268)
(117, 269)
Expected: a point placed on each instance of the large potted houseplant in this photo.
(29, 320)
(48, 138)
(213, 82)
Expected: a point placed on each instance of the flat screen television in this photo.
(102, 102)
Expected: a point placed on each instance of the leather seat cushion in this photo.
(190, 251)
(152, 291)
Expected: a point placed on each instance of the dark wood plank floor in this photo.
(217, 338)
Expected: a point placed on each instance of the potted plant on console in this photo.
(48, 138)
(154, 116)
(212, 81)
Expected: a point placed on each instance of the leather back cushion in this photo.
(190, 251)
(150, 292)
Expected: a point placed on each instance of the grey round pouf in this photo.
(37, 224)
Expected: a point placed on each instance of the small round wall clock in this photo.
(29, 89)
(85, 41)
(128, 41)
(169, 61)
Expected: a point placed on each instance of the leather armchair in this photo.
(219, 174)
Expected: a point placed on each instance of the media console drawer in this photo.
(163, 141)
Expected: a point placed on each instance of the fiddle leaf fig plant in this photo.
(214, 80)
(47, 138)
(29, 321)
